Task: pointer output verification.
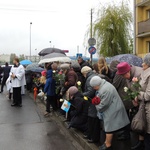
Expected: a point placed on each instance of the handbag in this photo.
(139, 122)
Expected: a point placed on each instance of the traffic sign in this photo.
(92, 42)
(92, 50)
(79, 55)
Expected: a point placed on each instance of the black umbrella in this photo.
(47, 51)
(32, 66)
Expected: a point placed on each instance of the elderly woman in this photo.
(145, 95)
(110, 108)
(79, 111)
(88, 74)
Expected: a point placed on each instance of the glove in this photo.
(96, 100)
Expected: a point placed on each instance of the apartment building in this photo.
(142, 27)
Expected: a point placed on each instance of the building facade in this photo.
(4, 58)
(34, 58)
(142, 27)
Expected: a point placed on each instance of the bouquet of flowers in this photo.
(59, 80)
(133, 92)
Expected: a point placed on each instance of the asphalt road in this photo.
(26, 129)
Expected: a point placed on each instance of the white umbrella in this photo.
(55, 57)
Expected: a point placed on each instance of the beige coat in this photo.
(145, 94)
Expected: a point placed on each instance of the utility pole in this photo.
(30, 39)
(78, 49)
(91, 31)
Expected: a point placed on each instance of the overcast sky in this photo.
(64, 22)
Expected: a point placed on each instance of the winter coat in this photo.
(84, 63)
(145, 94)
(71, 79)
(90, 93)
(49, 87)
(111, 107)
(119, 83)
(28, 77)
(80, 77)
(80, 105)
(135, 72)
(79, 114)
(108, 74)
(6, 71)
(19, 72)
(88, 90)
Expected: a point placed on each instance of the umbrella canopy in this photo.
(37, 70)
(25, 62)
(32, 66)
(53, 57)
(129, 58)
(47, 51)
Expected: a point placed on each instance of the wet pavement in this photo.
(26, 129)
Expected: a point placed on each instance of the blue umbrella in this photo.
(129, 58)
(25, 62)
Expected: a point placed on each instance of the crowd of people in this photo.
(97, 96)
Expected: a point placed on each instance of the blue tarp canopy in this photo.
(25, 62)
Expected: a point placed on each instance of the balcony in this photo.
(143, 3)
(144, 28)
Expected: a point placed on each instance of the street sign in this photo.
(92, 50)
(79, 55)
(92, 42)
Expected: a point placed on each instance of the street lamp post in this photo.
(50, 43)
(30, 39)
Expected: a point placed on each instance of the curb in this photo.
(75, 134)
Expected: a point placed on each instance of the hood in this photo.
(90, 74)
(145, 74)
(113, 65)
(49, 74)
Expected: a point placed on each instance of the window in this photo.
(148, 46)
(148, 14)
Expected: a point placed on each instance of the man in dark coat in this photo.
(79, 113)
(83, 63)
(6, 71)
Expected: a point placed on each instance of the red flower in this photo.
(96, 100)
(60, 73)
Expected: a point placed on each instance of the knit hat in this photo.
(72, 90)
(123, 68)
(95, 81)
(43, 73)
(85, 69)
(75, 65)
(147, 59)
(65, 66)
